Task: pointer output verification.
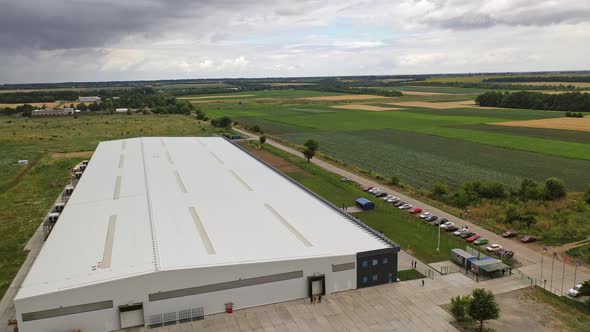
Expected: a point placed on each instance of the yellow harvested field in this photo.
(219, 96)
(48, 104)
(81, 154)
(420, 93)
(438, 105)
(366, 108)
(578, 124)
(291, 84)
(343, 97)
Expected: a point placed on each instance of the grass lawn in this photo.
(574, 314)
(409, 275)
(27, 192)
(407, 230)
(582, 253)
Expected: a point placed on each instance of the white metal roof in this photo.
(149, 204)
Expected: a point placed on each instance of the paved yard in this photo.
(404, 306)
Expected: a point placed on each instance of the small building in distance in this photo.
(52, 112)
(121, 110)
(88, 99)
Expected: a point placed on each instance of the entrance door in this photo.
(131, 315)
(316, 285)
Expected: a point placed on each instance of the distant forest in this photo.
(516, 79)
(567, 102)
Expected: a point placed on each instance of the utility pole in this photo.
(552, 262)
(542, 254)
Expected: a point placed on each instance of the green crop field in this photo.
(27, 191)
(423, 146)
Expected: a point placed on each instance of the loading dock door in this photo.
(131, 315)
(316, 285)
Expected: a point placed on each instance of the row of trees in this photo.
(474, 191)
(566, 79)
(571, 101)
(574, 115)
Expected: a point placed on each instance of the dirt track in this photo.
(343, 97)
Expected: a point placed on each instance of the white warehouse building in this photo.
(166, 230)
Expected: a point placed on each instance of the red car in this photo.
(527, 239)
(368, 188)
(415, 210)
(473, 238)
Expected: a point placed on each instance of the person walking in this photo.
(422, 282)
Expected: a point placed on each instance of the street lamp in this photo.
(542, 254)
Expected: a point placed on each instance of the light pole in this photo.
(552, 262)
(438, 245)
(576, 271)
(563, 273)
(542, 254)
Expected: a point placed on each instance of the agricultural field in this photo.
(53, 146)
(422, 145)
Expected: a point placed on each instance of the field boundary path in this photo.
(530, 259)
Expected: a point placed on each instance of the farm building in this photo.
(52, 112)
(165, 230)
(88, 99)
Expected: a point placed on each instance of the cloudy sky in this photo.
(97, 40)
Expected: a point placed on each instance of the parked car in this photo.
(367, 188)
(405, 206)
(424, 215)
(509, 234)
(451, 228)
(374, 189)
(494, 248)
(461, 231)
(344, 180)
(505, 253)
(473, 238)
(440, 221)
(447, 224)
(399, 203)
(415, 210)
(381, 194)
(467, 234)
(431, 218)
(527, 239)
(393, 201)
(574, 292)
(388, 197)
(481, 241)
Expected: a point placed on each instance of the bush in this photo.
(394, 180)
(262, 139)
(440, 190)
(256, 129)
(554, 189)
(459, 307)
(223, 122)
(587, 196)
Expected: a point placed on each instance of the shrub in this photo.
(483, 306)
(223, 122)
(554, 189)
(256, 129)
(459, 307)
(440, 190)
(394, 180)
(587, 196)
(262, 139)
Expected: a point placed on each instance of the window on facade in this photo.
(385, 260)
(375, 277)
(365, 279)
(365, 264)
(375, 262)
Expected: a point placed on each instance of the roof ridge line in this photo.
(155, 250)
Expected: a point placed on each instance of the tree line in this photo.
(571, 101)
(565, 79)
(137, 98)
